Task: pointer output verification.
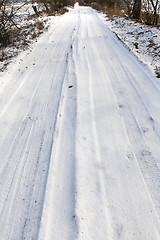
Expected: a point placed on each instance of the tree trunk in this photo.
(136, 12)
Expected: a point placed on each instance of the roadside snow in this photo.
(143, 40)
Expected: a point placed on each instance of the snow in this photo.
(80, 135)
(143, 40)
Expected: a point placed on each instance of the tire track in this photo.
(59, 204)
(129, 105)
(25, 193)
(90, 207)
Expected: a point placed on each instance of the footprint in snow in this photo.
(129, 154)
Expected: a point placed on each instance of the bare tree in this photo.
(155, 8)
(151, 11)
(7, 21)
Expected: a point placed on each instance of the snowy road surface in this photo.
(80, 138)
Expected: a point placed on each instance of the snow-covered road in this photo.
(80, 138)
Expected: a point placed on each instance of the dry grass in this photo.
(147, 18)
(40, 25)
(62, 11)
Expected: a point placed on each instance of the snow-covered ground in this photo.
(143, 40)
(80, 137)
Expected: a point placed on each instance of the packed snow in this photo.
(80, 137)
